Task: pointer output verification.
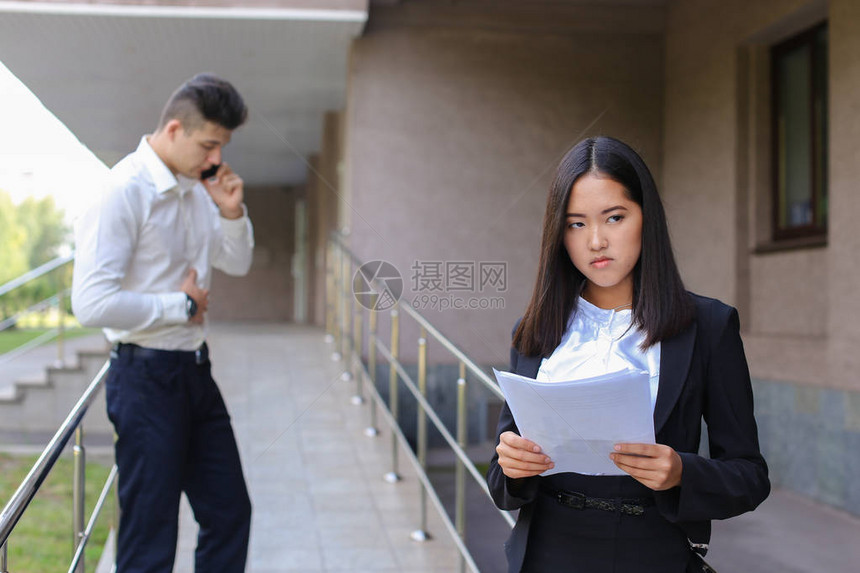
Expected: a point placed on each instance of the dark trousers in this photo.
(174, 435)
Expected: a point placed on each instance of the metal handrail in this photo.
(422, 475)
(57, 298)
(446, 435)
(476, 370)
(77, 560)
(340, 321)
(36, 273)
(27, 490)
(72, 425)
(37, 307)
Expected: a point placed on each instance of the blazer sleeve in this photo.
(509, 493)
(734, 479)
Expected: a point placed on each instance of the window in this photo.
(799, 83)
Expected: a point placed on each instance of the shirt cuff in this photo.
(236, 228)
(173, 309)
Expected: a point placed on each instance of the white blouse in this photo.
(599, 341)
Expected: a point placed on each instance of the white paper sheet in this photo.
(577, 423)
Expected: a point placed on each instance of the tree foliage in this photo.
(13, 259)
(31, 234)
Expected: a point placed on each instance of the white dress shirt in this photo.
(135, 246)
(599, 341)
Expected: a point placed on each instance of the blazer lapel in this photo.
(675, 356)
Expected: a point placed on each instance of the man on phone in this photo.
(143, 267)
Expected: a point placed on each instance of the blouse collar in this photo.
(615, 322)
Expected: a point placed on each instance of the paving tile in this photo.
(285, 538)
(286, 559)
(340, 559)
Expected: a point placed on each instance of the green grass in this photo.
(42, 541)
(13, 338)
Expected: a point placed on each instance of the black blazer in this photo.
(703, 375)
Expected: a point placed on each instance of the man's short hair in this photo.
(205, 97)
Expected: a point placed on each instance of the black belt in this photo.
(576, 500)
(133, 351)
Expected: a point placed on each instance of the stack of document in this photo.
(577, 423)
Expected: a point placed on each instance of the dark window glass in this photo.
(799, 80)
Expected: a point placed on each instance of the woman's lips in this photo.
(600, 263)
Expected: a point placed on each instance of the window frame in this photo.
(818, 171)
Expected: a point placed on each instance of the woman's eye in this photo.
(575, 225)
(615, 218)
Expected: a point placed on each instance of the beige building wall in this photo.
(325, 195)
(799, 307)
(717, 182)
(267, 292)
(844, 252)
(456, 122)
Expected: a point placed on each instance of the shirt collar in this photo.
(163, 179)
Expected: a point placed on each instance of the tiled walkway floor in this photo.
(320, 503)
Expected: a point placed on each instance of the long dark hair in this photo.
(661, 305)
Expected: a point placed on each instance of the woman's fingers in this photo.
(519, 457)
(657, 466)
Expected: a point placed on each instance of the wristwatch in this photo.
(190, 306)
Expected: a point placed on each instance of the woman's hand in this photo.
(519, 457)
(655, 466)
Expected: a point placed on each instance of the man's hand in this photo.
(656, 466)
(519, 457)
(227, 190)
(200, 296)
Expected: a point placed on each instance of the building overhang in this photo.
(106, 70)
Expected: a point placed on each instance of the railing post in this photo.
(421, 533)
(337, 268)
(357, 347)
(393, 476)
(79, 492)
(460, 477)
(346, 315)
(61, 352)
(371, 431)
(117, 514)
(329, 292)
(3, 562)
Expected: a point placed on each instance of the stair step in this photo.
(32, 382)
(40, 402)
(9, 394)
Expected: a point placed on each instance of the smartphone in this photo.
(210, 172)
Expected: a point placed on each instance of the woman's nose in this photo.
(596, 240)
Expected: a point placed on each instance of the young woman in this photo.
(608, 296)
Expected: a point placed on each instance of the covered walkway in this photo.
(316, 481)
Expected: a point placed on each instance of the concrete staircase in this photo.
(33, 408)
